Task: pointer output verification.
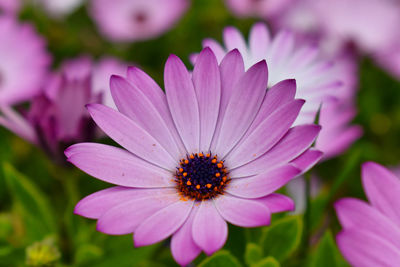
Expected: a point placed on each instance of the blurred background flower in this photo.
(356, 40)
(126, 20)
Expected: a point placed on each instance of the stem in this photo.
(307, 213)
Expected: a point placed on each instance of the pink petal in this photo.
(117, 166)
(182, 102)
(131, 102)
(259, 41)
(242, 107)
(382, 189)
(209, 229)
(127, 216)
(243, 212)
(356, 214)
(234, 39)
(218, 50)
(277, 203)
(232, 69)
(207, 84)
(131, 136)
(364, 249)
(183, 248)
(162, 223)
(266, 135)
(292, 145)
(263, 184)
(96, 204)
(155, 94)
(307, 160)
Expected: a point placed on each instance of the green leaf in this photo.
(282, 238)
(221, 258)
(325, 254)
(31, 204)
(267, 262)
(253, 253)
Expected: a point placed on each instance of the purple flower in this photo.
(22, 54)
(9, 6)
(212, 150)
(319, 81)
(127, 20)
(257, 8)
(371, 231)
(57, 117)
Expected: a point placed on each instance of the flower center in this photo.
(201, 176)
(139, 17)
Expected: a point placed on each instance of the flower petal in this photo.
(131, 102)
(183, 248)
(266, 135)
(117, 166)
(364, 249)
(242, 107)
(209, 229)
(155, 94)
(232, 69)
(207, 84)
(277, 202)
(243, 212)
(218, 50)
(130, 135)
(162, 223)
(96, 204)
(127, 216)
(182, 102)
(307, 160)
(356, 214)
(292, 145)
(382, 189)
(234, 39)
(259, 40)
(263, 184)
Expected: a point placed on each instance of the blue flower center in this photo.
(201, 176)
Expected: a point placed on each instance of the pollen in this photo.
(201, 176)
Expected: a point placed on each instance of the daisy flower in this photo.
(22, 54)
(127, 20)
(57, 117)
(211, 150)
(371, 231)
(320, 82)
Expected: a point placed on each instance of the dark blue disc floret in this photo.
(201, 176)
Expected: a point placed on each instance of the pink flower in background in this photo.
(24, 61)
(371, 25)
(58, 117)
(371, 231)
(257, 8)
(9, 6)
(337, 132)
(321, 82)
(127, 20)
(60, 8)
(211, 150)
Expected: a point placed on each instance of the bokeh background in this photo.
(37, 197)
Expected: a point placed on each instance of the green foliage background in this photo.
(37, 197)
